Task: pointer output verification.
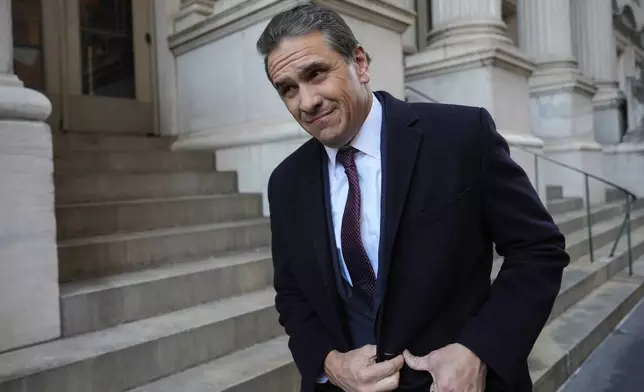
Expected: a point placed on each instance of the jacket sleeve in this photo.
(309, 341)
(521, 298)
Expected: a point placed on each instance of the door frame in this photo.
(75, 112)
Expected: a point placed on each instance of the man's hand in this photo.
(454, 368)
(357, 370)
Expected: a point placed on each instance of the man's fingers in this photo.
(387, 384)
(417, 363)
(380, 370)
(369, 351)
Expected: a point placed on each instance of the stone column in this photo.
(29, 308)
(596, 52)
(561, 98)
(471, 60)
(461, 21)
(410, 36)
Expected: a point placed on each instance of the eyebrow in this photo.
(303, 70)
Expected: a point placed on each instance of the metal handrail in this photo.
(422, 95)
(630, 196)
(593, 176)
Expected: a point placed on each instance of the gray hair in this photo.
(305, 19)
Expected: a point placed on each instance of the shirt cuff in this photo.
(322, 379)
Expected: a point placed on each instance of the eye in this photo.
(317, 74)
(287, 91)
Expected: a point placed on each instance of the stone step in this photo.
(78, 162)
(613, 194)
(566, 341)
(573, 221)
(583, 276)
(100, 218)
(105, 302)
(560, 206)
(278, 373)
(101, 142)
(554, 192)
(604, 235)
(133, 354)
(265, 367)
(113, 254)
(119, 186)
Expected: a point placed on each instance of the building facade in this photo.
(562, 78)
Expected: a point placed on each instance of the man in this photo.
(383, 228)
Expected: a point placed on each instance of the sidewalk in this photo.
(617, 365)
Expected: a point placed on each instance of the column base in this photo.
(28, 252)
(493, 76)
(490, 31)
(623, 165)
(608, 118)
(561, 105)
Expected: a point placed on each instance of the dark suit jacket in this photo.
(450, 192)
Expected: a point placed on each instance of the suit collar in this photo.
(367, 139)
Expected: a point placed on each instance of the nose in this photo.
(310, 100)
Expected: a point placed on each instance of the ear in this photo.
(362, 64)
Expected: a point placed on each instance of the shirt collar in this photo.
(367, 140)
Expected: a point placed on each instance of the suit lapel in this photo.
(400, 143)
(315, 204)
(400, 147)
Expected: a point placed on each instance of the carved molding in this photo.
(192, 12)
(246, 13)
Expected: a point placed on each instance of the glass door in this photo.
(106, 66)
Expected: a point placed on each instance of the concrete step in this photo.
(554, 192)
(105, 302)
(583, 276)
(133, 354)
(270, 367)
(560, 206)
(604, 235)
(266, 367)
(113, 254)
(573, 221)
(78, 162)
(570, 338)
(93, 142)
(120, 186)
(99, 218)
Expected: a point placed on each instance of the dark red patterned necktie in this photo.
(355, 256)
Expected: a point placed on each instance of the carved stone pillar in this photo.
(561, 98)
(471, 60)
(597, 56)
(28, 251)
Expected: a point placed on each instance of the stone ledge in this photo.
(246, 134)
(575, 145)
(518, 140)
(250, 12)
(450, 60)
(624, 148)
(553, 80)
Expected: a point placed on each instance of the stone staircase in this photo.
(166, 280)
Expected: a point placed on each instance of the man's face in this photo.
(326, 95)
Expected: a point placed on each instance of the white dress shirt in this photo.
(367, 142)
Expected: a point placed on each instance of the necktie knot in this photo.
(346, 156)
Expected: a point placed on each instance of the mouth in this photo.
(320, 117)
